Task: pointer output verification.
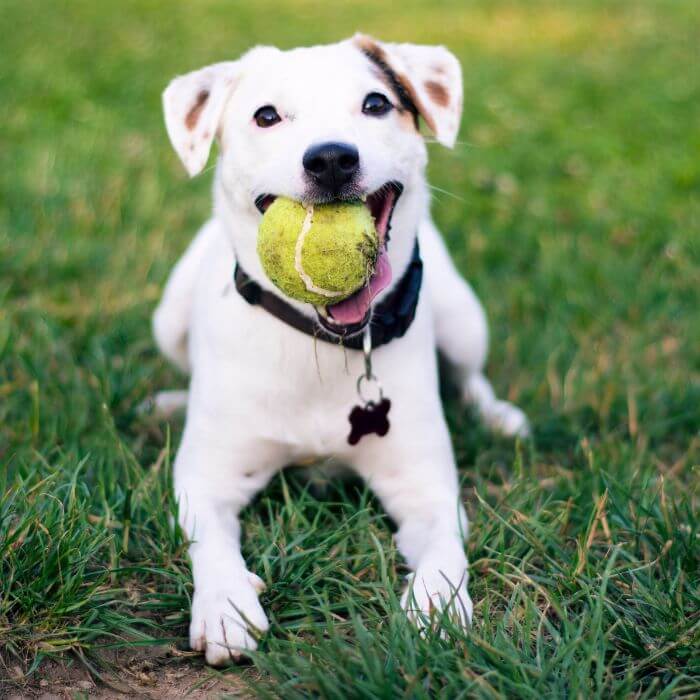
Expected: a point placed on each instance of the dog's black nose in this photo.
(332, 165)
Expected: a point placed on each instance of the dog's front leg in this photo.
(215, 477)
(413, 473)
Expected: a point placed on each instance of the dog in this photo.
(273, 381)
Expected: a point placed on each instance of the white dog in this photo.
(268, 386)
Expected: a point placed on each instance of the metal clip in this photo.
(368, 376)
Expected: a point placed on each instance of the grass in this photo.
(572, 203)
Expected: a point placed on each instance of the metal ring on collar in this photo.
(369, 378)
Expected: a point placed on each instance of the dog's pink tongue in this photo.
(355, 308)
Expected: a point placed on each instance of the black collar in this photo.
(390, 319)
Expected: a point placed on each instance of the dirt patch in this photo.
(161, 672)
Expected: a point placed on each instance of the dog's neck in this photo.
(240, 220)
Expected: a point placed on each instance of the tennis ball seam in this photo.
(305, 277)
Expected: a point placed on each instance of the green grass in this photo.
(576, 215)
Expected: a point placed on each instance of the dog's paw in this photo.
(226, 620)
(430, 594)
(164, 405)
(507, 419)
(500, 416)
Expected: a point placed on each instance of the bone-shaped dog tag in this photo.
(368, 419)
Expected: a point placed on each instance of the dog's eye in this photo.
(266, 116)
(376, 104)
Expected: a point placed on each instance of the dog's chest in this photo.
(272, 382)
(285, 388)
(315, 409)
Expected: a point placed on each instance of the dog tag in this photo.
(370, 417)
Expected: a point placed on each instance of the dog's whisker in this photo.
(461, 143)
(448, 193)
(208, 169)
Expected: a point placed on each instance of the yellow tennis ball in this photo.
(320, 253)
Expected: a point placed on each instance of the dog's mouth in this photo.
(350, 316)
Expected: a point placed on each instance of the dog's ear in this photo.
(193, 106)
(430, 77)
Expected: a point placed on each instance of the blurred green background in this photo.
(571, 203)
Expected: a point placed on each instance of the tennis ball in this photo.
(321, 253)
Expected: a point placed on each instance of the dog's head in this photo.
(321, 124)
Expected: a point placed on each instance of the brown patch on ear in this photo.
(415, 101)
(401, 87)
(371, 49)
(437, 92)
(192, 116)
